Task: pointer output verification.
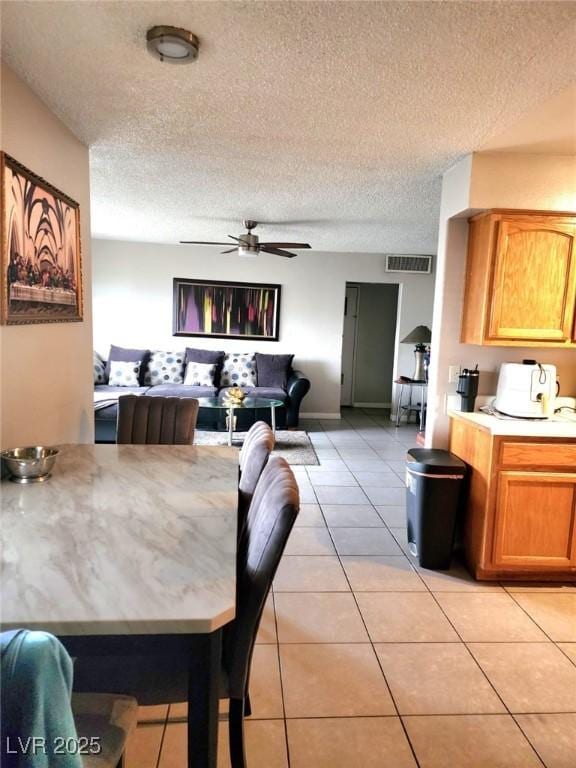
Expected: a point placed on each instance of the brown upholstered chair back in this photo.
(156, 420)
(257, 447)
(270, 519)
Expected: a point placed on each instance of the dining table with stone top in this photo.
(127, 553)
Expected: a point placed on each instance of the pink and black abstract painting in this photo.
(41, 267)
(226, 310)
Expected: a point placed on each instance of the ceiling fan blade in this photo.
(287, 245)
(277, 252)
(238, 239)
(201, 242)
(230, 250)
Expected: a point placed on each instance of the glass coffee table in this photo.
(249, 403)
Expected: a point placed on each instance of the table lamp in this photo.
(420, 336)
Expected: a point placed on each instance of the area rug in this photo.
(294, 446)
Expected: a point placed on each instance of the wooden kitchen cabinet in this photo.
(520, 280)
(534, 525)
(520, 518)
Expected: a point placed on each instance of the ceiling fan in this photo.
(249, 244)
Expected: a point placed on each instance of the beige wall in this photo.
(133, 304)
(481, 181)
(540, 182)
(46, 369)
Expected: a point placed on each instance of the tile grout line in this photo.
(411, 714)
(398, 642)
(181, 719)
(538, 756)
(555, 644)
(285, 719)
(393, 700)
(483, 672)
(305, 475)
(457, 634)
(467, 649)
(573, 661)
(464, 643)
(475, 661)
(161, 747)
(532, 619)
(404, 728)
(426, 588)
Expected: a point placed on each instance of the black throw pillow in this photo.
(273, 370)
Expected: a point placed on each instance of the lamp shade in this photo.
(420, 335)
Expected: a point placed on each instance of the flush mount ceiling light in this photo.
(173, 44)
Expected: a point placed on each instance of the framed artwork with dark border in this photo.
(41, 280)
(226, 310)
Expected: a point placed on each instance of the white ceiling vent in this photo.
(409, 263)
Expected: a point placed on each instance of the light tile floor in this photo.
(365, 659)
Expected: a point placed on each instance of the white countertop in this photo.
(123, 539)
(563, 428)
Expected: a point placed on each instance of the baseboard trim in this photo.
(371, 405)
(320, 416)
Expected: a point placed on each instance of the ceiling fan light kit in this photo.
(172, 44)
(250, 245)
(246, 251)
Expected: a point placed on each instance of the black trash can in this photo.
(434, 489)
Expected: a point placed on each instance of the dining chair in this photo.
(258, 444)
(36, 703)
(269, 521)
(144, 420)
(164, 679)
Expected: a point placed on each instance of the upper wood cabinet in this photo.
(521, 280)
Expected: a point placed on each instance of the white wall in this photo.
(479, 182)
(46, 369)
(132, 292)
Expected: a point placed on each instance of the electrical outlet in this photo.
(453, 374)
(452, 403)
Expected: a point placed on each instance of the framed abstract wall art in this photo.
(226, 310)
(41, 279)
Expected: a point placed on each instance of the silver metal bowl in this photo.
(29, 465)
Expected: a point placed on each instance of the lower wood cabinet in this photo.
(534, 522)
(520, 520)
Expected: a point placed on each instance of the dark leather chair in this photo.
(257, 447)
(270, 519)
(144, 420)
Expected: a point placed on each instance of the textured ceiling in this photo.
(339, 117)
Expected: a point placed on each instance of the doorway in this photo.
(349, 343)
(368, 344)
